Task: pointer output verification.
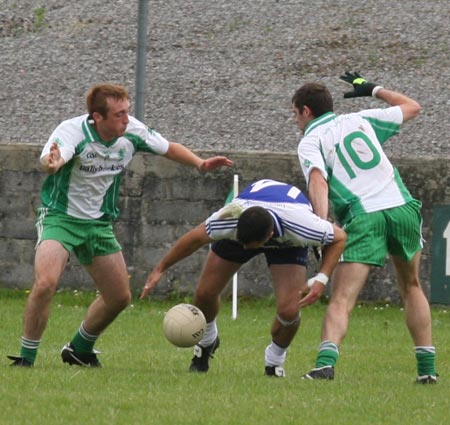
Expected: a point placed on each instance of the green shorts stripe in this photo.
(395, 231)
(86, 238)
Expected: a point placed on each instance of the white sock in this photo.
(275, 355)
(211, 333)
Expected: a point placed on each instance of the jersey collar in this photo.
(92, 135)
(324, 118)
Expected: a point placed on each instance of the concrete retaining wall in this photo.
(160, 200)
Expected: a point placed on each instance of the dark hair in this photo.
(254, 225)
(97, 96)
(315, 96)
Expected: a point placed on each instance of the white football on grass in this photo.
(184, 325)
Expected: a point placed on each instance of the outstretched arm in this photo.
(183, 155)
(330, 257)
(184, 247)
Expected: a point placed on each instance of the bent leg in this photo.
(214, 277)
(418, 316)
(50, 260)
(111, 278)
(417, 309)
(348, 280)
(288, 279)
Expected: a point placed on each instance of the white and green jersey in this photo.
(347, 150)
(87, 185)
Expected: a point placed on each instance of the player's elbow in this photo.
(344, 238)
(415, 108)
(411, 110)
(340, 236)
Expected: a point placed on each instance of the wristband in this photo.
(320, 277)
(375, 90)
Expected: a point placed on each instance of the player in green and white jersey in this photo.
(85, 158)
(87, 187)
(343, 162)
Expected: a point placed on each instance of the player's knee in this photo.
(125, 301)
(205, 294)
(341, 304)
(410, 289)
(289, 318)
(121, 301)
(44, 287)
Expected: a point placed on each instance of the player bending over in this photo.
(270, 218)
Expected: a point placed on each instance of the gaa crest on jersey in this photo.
(307, 163)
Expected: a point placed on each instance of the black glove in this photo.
(361, 87)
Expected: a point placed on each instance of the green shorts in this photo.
(372, 236)
(87, 238)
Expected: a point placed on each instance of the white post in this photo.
(235, 282)
(141, 58)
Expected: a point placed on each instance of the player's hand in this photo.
(214, 162)
(53, 159)
(317, 286)
(153, 279)
(316, 291)
(361, 87)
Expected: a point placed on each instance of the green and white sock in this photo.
(28, 349)
(426, 358)
(83, 342)
(328, 354)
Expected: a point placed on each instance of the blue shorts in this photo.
(233, 251)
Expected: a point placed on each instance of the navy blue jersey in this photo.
(295, 224)
(274, 191)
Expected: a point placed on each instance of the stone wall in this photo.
(160, 200)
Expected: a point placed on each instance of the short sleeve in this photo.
(311, 156)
